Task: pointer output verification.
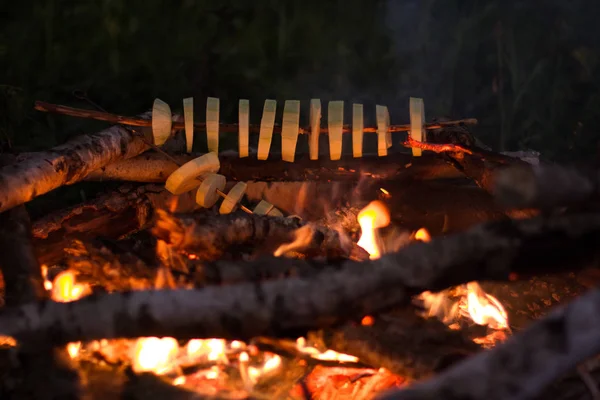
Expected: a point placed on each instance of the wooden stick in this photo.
(228, 128)
(524, 365)
(290, 307)
(66, 164)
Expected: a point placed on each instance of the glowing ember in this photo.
(375, 215)
(423, 235)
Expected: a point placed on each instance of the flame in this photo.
(423, 235)
(485, 309)
(375, 215)
(152, 354)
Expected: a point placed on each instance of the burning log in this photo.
(210, 237)
(156, 167)
(111, 215)
(545, 186)
(402, 342)
(525, 364)
(290, 307)
(39, 173)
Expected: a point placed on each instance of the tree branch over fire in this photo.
(290, 307)
(524, 365)
(42, 172)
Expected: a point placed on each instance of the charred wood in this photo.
(111, 215)
(155, 167)
(211, 237)
(290, 307)
(523, 366)
(403, 343)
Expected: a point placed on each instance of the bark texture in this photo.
(290, 307)
(39, 173)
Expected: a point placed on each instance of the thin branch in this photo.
(436, 147)
(227, 128)
(524, 365)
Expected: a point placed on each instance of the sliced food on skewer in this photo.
(383, 125)
(207, 194)
(417, 123)
(212, 124)
(266, 129)
(357, 130)
(335, 122)
(162, 121)
(185, 178)
(233, 198)
(289, 130)
(188, 116)
(315, 128)
(244, 128)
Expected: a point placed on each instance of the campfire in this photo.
(351, 278)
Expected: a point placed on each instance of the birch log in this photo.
(290, 307)
(42, 172)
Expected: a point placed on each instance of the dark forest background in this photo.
(528, 70)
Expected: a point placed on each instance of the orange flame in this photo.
(155, 355)
(64, 289)
(485, 309)
(375, 215)
(423, 235)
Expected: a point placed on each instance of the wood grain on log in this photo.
(525, 364)
(292, 306)
(155, 167)
(65, 164)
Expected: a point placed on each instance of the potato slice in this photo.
(357, 130)
(233, 198)
(162, 121)
(188, 116)
(266, 129)
(383, 127)
(315, 128)
(207, 195)
(263, 208)
(185, 178)
(244, 128)
(417, 123)
(275, 213)
(335, 121)
(212, 124)
(289, 130)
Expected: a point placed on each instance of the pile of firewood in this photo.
(327, 285)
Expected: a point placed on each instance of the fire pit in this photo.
(392, 276)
